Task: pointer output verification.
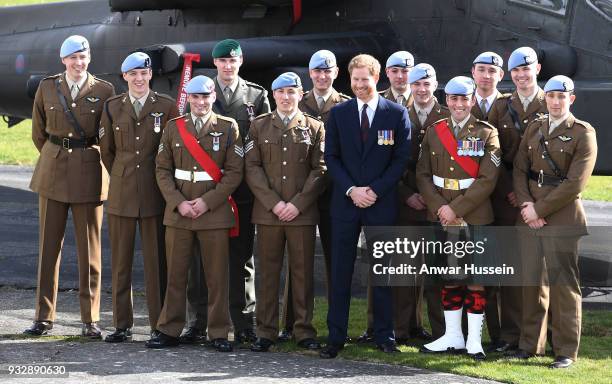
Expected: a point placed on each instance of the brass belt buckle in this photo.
(540, 178)
(451, 184)
(66, 143)
(192, 176)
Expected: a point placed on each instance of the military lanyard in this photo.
(68, 112)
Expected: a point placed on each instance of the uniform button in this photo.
(137, 137)
(117, 128)
(530, 147)
(70, 134)
(452, 169)
(505, 126)
(543, 157)
(265, 141)
(452, 158)
(433, 153)
(73, 105)
(93, 111)
(561, 150)
(284, 177)
(546, 142)
(137, 123)
(318, 117)
(177, 144)
(284, 149)
(138, 152)
(285, 135)
(525, 121)
(284, 163)
(137, 165)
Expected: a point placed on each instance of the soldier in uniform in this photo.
(510, 115)
(397, 68)
(456, 184)
(317, 102)
(199, 164)
(285, 170)
(242, 101)
(424, 111)
(130, 131)
(554, 162)
(69, 176)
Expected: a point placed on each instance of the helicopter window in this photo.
(557, 7)
(603, 7)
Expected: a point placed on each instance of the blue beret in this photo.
(491, 58)
(200, 84)
(460, 85)
(287, 79)
(227, 48)
(522, 56)
(400, 59)
(322, 59)
(559, 83)
(136, 60)
(74, 43)
(421, 71)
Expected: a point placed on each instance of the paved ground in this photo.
(99, 362)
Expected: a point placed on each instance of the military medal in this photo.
(380, 138)
(391, 140)
(480, 148)
(157, 122)
(471, 148)
(250, 108)
(459, 147)
(386, 136)
(216, 140)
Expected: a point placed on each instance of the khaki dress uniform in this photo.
(509, 314)
(388, 94)
(128, 144)
(210, 230)
(309, 105)
(285, 164)
(573, 147)
(248, 101)
(69, 176)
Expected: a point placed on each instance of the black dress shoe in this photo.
(561, 362)
(330, 351)
(244, 336)
(519, 354)
(120, 335)
(285, 335)
(310, 344)
(39, 328)
(192, 335)
(478, 356)
(261, 345)
(501, 346)
(420, 333)
(388, 347)
(91, 330)
(222, 345)
(366, 337)
(162, 341)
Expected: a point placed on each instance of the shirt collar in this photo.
(427, 109)
(490, 99)
(232, 86)
(282, 115)
(461, 123)
(204, 118)
(530, 97)
(326, 96)
(142, 100)
(79, 84)
(373, 103)
(552, 124)
(405, 94)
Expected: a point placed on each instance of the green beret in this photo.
(227, 48)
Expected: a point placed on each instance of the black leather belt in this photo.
(70, 143)
(543, 179)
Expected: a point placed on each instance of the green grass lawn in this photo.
(593, 367)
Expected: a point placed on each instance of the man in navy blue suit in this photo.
(367, 145)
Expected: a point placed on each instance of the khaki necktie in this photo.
(526, 104)
(286, 121)
(422, 117)
(483, 107)
(137, 107)
(227, 92)
(320, 102)
(456, 129)
(74, 91)
(400, 100)
(198, 125)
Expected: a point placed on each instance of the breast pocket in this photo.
(562, 153)
(269, 149)
(122, 134)
(53, 114)
(301, 146)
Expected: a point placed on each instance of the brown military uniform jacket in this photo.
(285, 164)
(388, 94)
(129, 145)
(408, 185)
(309, 105)
(500, 98)
(74, 176)
(573, 147)
(471, 204)
(172, 155)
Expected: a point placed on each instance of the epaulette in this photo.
(312, 117)
(104, 81)
(345, 97)
(254, 85)
(179, 117)
(226, 118)
(486, 123)
(382, 92)
(306, 93)
(116, 97)
(53, 76)
(504, 95)
(164, 96)
(437, 121)
(263, 115)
